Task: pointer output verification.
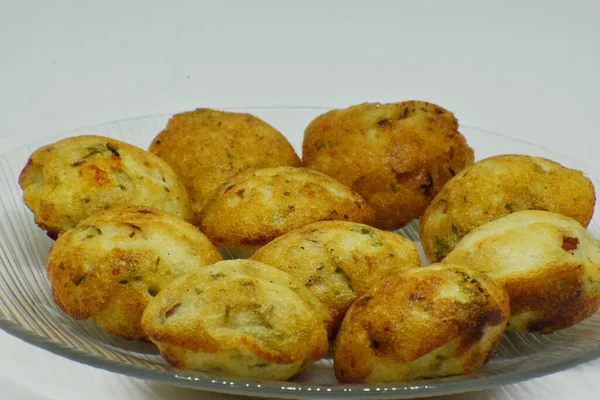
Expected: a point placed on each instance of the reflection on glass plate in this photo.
(28, 311)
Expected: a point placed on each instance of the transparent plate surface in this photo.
(28, 311)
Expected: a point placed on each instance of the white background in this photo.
(528, 69)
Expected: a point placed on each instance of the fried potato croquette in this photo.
(254, 208)
(238, 317)
(111, 264)
(425, 322)
(207, 147)
(398, 156)
(497, 186)
(76, 177)
(338, 261)
(548, 263)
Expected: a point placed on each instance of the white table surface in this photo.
(528, 69)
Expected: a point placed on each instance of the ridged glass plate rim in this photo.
(295, 389)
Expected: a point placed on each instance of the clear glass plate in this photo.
(28, 311)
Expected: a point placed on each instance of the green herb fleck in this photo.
(112, 149)
(439, 248)
(454, 229)
(217, 276)
(93, 231)
(227, 314)
(93, 150)
(77, 281)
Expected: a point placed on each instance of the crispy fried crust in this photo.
(497, 186)
(207, 147)
(76, 177)
(338, 261)
(238, 317)
(256, 207)
(421, 323)
(398, 155)
(548, 263)
(110, 265)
